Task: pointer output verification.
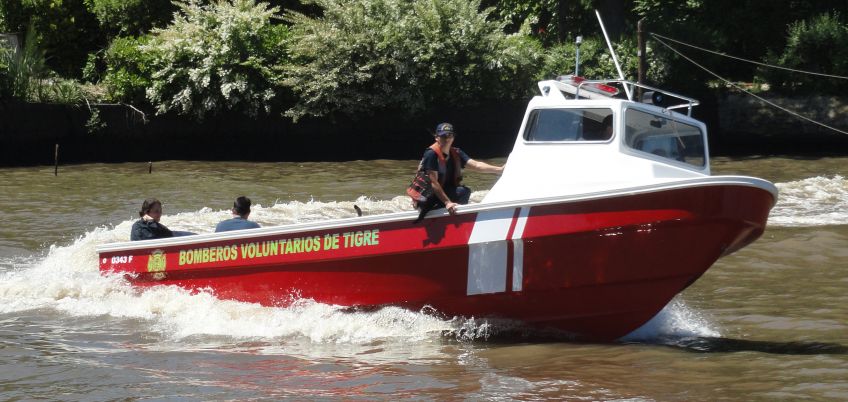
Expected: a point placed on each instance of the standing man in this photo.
(443, 163)
(241, 210)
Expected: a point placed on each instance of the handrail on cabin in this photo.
(692, 102)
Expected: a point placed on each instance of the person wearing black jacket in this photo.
(148, 227)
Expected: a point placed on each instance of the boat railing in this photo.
(654, 95)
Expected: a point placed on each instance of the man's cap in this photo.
(444, 129)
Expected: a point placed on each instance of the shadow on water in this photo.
(506, 332)
(688, 344)
(726, 345)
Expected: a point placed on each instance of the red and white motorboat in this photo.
(587, 231)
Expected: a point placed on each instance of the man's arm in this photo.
(483, 167)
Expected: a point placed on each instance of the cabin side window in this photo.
(545, 125)
(665, 137)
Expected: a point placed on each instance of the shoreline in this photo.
(29, 133)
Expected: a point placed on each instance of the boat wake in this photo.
(816, 201)
(66, 279)
(674, 323)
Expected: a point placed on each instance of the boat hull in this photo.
(595, 267)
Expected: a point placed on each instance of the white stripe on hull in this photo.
(487, 252)
(518, 250)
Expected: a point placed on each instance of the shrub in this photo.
(216, 57)
(23, 70)
(818, 45)
(363, 55)
(128, 70)
(55, 89)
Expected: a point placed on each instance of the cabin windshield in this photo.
(664, 137)
(583, 124)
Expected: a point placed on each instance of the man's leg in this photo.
(461, 195)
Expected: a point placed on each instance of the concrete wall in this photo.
(746, 125)
(738, 124)
(29, 132)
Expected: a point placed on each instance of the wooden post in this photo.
(149, 167)
(643, 65)
(56, 161)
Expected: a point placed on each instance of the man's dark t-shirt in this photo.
(430, 161)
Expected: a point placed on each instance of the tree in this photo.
(743, 28)
(67, 31)
(819, 45)
(596, 62)
(561, 21)
(364, 55)
(130, 17)
(21, 72)
(128, 70)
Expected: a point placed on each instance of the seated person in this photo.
(148, 227)
(241, 210)
(443, 163)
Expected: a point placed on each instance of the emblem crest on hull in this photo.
(156, 263)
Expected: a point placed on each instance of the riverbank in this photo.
(746, 125)
(29, 132)
(738, 124)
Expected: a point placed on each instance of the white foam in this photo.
(68, 279)
(674, 321)
(814, 201)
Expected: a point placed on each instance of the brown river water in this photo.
(767, 323)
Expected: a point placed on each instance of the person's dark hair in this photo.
(147, 205)
(242, 206)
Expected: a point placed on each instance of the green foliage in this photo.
(11, 16)
(558, 21)
(817, 45)
(130, 17)
(59, 90)
(23, 70)
(24, 76)
(5, 79)
(94, 124)
(67, 31)
(364, 55)
(128, 70)
(92, 70)
(743, 28)
(596, 62)
(540, 15)
(216, 57)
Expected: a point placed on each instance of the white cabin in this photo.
(562, 148)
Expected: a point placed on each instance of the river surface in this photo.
(767, 323)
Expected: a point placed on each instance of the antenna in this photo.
(614, 57)
(577, 43)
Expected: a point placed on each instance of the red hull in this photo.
(595, 268)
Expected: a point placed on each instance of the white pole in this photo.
(614, 57)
